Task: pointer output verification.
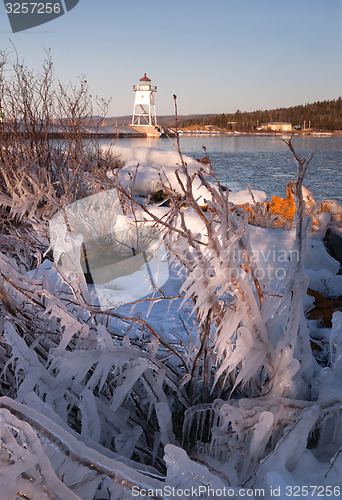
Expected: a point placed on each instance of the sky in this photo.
(217, 56)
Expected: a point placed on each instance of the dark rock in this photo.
(333, 239)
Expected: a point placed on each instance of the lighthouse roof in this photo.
(145, 78)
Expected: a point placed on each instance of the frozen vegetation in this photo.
(152, 340)
(209, 381)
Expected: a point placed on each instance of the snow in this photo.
(273, 252)
(149, 166)
(244, 196)
(147, 156)
(152, 273)
(308, 480)
(184, 474)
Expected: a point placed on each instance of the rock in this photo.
(283, 207)
(333, 239)
(279, 212)
(311, 205)
(286, 207)
(324, 308)
(333, 208)
(323, 219)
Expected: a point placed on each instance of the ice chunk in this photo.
(325, 282)
(244, 196)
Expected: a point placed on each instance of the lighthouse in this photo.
(144, 117)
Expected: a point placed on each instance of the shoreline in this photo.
(258, 134)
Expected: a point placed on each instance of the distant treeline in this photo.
(321, 115)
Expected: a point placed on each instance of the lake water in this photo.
(264, 163)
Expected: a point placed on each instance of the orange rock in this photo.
(281, 211)
(247, 207)
(285, 207)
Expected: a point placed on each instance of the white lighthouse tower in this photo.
(144, 117)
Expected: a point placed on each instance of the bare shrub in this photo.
(44, 160)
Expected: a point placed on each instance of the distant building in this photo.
(277, 126)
